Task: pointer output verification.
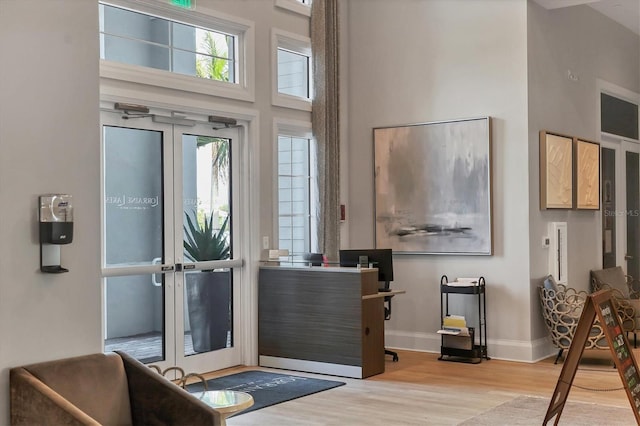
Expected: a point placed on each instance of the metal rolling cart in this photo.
(464, 347)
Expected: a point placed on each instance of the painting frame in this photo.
(556, 171)
(586, 166)
(433, 187)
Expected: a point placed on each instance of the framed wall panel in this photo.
(587, 174)
(556, 171)
(433, 187)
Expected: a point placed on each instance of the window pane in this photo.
(184, 36)
(134, 25)
(293, 73)
(214, 44)
(133, 196)
(293, 194)
(619, 117)
(144, 40)
(284, 143)
(212, 68)
(135, 316)
(207, 198)
(136, 52)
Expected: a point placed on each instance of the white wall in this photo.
(49, 142)
(419, 61)
(408, 61)
(592, 47)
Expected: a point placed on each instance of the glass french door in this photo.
(171, 258)
(621, 205)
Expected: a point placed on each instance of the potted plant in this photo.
(208, 292)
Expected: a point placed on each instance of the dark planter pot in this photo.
(209, 308)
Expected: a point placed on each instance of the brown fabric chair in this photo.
(626, 298)
(614, 278)
(101, 389)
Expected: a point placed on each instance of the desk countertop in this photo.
(301, 267)
(383, 294)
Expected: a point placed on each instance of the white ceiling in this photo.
(626, 12)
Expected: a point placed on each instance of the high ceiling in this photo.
(626, 12)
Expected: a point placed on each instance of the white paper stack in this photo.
(469, 281)
(464, 282)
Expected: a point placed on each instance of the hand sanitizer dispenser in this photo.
(56, 228)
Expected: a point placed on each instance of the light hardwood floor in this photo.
(420, 390)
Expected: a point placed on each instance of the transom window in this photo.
(618, 116)
(291, 70)
(141, 39)
(293, 73)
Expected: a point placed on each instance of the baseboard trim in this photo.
(504, 349)
(311, 366)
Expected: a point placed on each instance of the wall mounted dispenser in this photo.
(558, 264)
(56, 228)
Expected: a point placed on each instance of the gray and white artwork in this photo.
(433, 187)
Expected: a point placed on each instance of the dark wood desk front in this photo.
(319, 319)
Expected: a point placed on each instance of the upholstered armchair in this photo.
(614, 278)
(101, 389)
(623, 294)
(561, 310)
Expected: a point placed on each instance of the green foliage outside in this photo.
(202, 242)
(213, 66)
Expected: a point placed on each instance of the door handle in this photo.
(628, 257)
(154, 281)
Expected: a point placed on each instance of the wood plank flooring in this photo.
(420, 390)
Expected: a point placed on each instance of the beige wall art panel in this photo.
(556, 171)
(587, 169)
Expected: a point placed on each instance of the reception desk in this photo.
(325, 320)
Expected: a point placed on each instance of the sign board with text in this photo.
(602, 305)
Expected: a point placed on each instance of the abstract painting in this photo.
(433, 187)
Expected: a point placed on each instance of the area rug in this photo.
(525, 410)
(267, 388)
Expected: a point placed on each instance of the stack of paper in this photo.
(454, 325)
(454, 331)
(469, 281)
(454, 321)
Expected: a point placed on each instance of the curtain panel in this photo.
(325, 122)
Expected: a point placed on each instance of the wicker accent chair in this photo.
(561, 310)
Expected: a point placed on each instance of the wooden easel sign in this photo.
(600, 304)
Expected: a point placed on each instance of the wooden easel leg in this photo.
(558, 357)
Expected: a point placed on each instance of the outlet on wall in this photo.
(265, 242)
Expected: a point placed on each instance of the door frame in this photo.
(249, 186)
(620, 145)
(620, 148)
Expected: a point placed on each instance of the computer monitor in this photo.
(314, 259)
(381, 259)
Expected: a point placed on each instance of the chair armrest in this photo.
(626, 310)
(157, 401)
(633, 293)
(34, 403)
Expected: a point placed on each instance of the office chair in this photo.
(387, 316)
(314, 259)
